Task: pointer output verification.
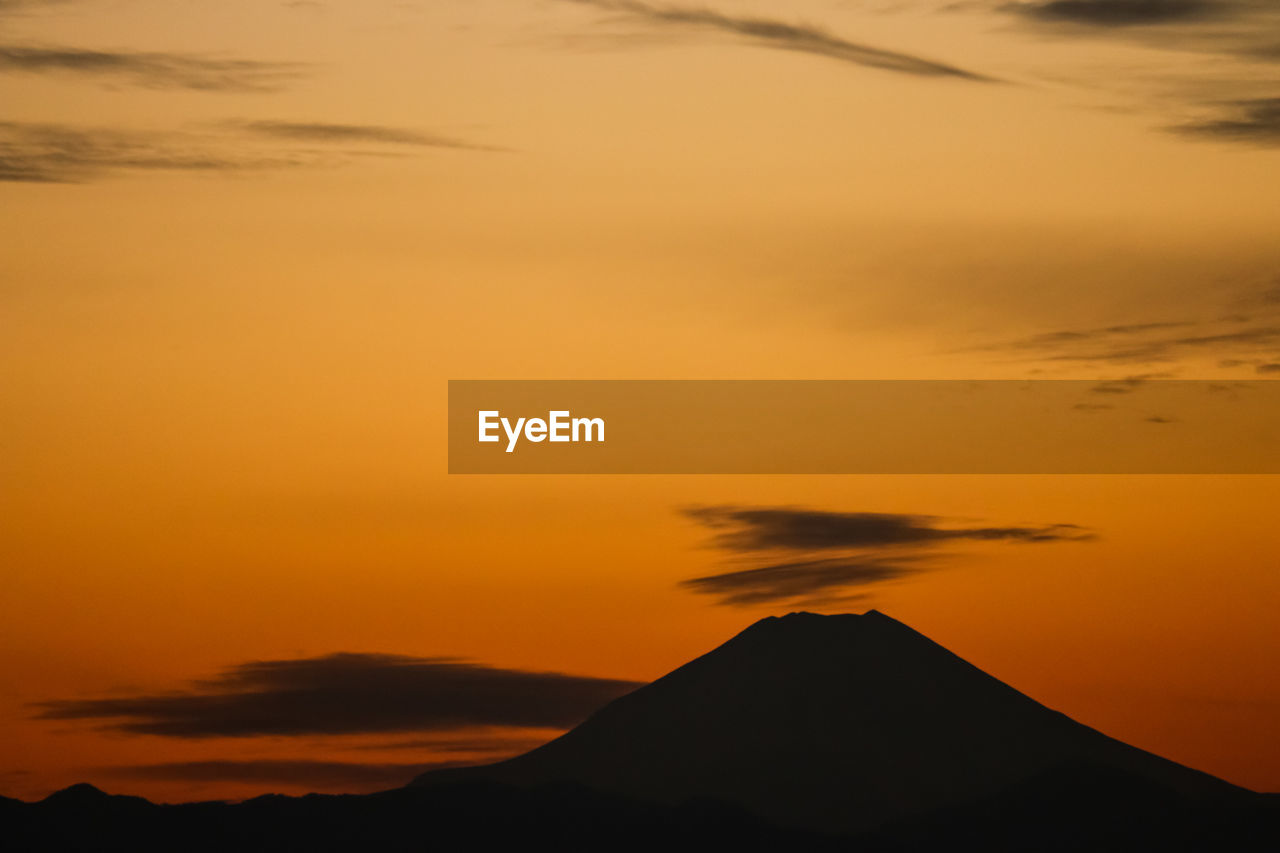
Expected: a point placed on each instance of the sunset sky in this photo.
(244, 245)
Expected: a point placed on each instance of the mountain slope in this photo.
(833, 723)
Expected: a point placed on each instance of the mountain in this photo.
(806, 733)
(830, 723)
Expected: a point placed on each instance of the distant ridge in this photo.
(830, 723)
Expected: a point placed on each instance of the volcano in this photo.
(804, 732)
(830, 723)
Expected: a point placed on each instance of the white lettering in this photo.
(486, 424)
(559, 421)
(513, 435)
(587, 424)
(558, 427)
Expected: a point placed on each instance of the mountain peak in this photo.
(77, 793)
(832, 722)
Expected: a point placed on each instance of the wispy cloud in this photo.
(339, 775)
(12, 7)
(59, 153)
(496, 744)
(152, 69)
(767, 528)
(879, 547)
(347, 694)
(1256, 121)
(1127, 384)
(323, 132)
(1245, 331)
(779, 35)
(1153, 349)
(807, 583)
(55, 153)
(1235, 91)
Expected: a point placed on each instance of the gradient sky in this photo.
(243, 246)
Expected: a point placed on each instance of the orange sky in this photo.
(245, 245)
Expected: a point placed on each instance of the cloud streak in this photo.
(1255, 121)
(1233, 338)
(55, 153)
(769, 528)
(1123, 13)
(879, 548)
(1243, 37)
(350, 693)
(152, 69)
(780, 35)
(806, 583)
(59, 153)
(12, 7)
(342, 775)
(322, 132)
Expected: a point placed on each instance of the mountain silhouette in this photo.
(831, 723)
(804, 732)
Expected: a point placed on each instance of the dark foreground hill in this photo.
(807, 733)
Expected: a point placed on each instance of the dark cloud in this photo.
(1254, 121)
(51, 153)
(1269, 367)
(1123, 13)
(1242, 35)
(1160, 419)
(774, 528)
(1242, 29)
(354, 133)
(350, 693)
(152, 69)
(811, 583)
(767, 32)
(880, 547)
(341, 775)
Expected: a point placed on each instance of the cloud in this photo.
(349, 693)
(1269, 367)
(1123, 13)
(492, 745)
(812, 582)
(1254, 121)
(59, 153)
(1167, 348)
(1240, 29)
(341, 775)
(54, 153)
(779, 35)
(1238, 38)
(354, 133)
(1230, 338)
(880, 547)
(152, 69)
(771, 528)
(1128, 384)
(12, 7)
